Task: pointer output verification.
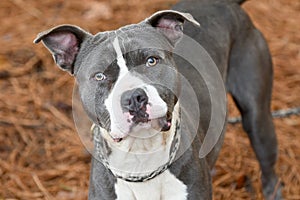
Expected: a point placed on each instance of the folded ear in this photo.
(64, 43)
(170, 23)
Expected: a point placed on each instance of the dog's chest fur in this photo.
(163, 187)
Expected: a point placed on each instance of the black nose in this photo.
(135, 102)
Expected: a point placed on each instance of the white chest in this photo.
(163, 187)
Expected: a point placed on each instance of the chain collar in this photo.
(131, 178)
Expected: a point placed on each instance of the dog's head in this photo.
(127, 78)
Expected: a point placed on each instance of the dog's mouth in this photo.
(140, 115)
(143, 126)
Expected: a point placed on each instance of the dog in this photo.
(129, 88)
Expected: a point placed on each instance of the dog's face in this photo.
(127, 78)
(121, 78)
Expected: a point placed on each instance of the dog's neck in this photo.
(138, 159)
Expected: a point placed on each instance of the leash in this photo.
(275, 114)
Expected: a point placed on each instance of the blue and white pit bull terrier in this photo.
(134, 115)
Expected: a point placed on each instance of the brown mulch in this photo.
(41, 155)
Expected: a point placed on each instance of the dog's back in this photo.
(222, 22)
(244, 61)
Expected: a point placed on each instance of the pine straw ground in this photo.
(42, 157)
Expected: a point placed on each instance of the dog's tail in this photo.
(240, 2)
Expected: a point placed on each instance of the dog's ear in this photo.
(170, 23)
(64, 43)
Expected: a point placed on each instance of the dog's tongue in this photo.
(117, 139)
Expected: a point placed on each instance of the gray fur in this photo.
(238, 49)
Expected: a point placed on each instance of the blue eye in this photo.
(99, 76)
(151, 61)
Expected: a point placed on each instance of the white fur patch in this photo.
(134, 156)
(142, 152)
(120, 59)
(158, 107)
(120, 126)
(164, 187)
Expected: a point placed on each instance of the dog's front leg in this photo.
(102, 182)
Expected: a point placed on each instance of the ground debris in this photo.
(42, 157)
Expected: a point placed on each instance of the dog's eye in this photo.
(99, 76)
(152, 61)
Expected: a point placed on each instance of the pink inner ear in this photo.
(168, 24)
(63, 41)
(172, 29)
(64, 46)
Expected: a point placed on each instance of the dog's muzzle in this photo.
(141, 110)
(136, 104)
